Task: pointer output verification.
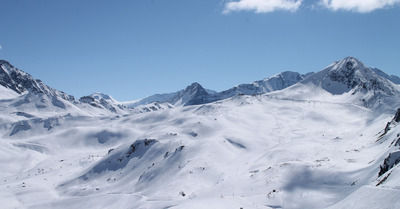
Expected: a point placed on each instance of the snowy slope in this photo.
(6, 93)
(273, 83)
(392, 78)
(222, 155)
(310, 145)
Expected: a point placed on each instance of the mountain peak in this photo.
(346, 75)
(350, 75)
(194, 86)
(347, 66)
(193, 94)
(99, 96)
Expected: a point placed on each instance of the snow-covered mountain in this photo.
(29, 95)
(351, 75)
(310, 142)
(195, 94)
(103, 101)
(187, 96)
(273, 83)
(28, 99)
(23, 83)
(347, 81)
(347, 75)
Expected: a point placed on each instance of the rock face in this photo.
(389, 162)
(394, 154)
(397, 116)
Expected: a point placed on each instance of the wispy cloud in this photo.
(1, 47)
(262, 6)
(362, 6)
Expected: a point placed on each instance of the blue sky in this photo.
(135, 48)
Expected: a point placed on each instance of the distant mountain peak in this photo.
(348, 64)
(193, 94)
(352, 76)
(195, 87)
(345, 70)
(99, 96)
(102, 101)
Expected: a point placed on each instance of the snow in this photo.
(370, 197)
(6, 93)
(228, 154)
(298, 147)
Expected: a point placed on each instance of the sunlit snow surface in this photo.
(245, 152)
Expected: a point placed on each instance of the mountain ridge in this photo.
(340, 77)
(273, 83)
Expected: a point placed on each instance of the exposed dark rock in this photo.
(397, 116)
(20, 126)
(389, 162)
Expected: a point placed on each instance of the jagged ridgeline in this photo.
(371, 85)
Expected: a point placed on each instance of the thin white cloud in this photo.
(262, 6)
(0, 47)
(362, 6)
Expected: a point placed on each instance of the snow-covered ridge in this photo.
(187, 96)
(347, 75)
(23, 93)
(347, 81)
(21, 82)
(195, 94)
(369, 85)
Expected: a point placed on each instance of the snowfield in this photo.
(249, 151)
(300, 147)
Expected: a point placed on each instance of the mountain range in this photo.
(328, 139)
(340, 77)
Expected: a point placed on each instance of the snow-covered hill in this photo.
(313, 144)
